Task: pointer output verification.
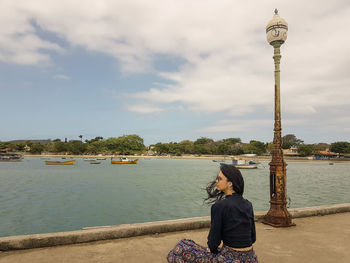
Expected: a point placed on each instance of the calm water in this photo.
(36, 198)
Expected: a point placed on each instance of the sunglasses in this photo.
(219, 178)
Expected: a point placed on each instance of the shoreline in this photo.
(201, 157)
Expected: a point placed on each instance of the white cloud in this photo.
(227, 66)
(144, 109)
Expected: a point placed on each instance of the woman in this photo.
(232, 223)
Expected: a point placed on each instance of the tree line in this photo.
(203, 145)
(134, 144)
(126, 144)
(290, 140)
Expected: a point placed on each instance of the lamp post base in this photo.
(278, 216)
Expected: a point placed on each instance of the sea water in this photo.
(38, 198)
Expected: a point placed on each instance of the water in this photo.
(36, 198)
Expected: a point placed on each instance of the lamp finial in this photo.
(276, 11)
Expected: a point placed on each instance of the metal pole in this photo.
(278, 215)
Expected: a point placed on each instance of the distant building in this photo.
(292, 151)
(151, 150)
(326, 155)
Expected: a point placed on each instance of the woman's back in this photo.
(238, 228)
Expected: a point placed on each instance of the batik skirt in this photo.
(188, 251)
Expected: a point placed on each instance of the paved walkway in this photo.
(314, 239)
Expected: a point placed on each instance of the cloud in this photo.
(19, 43)
(227, 66)
(144, 109)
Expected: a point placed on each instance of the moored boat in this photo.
(242, 164)
(70, 162)
(89, 159)
(10, 157)
(123, 160)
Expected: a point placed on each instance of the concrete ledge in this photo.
(91, 234)
(319, 210)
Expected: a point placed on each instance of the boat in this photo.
(242, 164)
(10, 157)
(123, 160)
(89, 159)
(70, 162)
(101, 157)
(95, 162)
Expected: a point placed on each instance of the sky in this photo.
(172, 70)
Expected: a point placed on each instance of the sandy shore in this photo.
(201, 157)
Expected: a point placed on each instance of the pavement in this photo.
(313, 239)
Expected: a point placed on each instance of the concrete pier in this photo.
(323, 236)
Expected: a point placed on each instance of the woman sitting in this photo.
(232, 223)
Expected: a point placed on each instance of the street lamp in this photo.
(278, 215)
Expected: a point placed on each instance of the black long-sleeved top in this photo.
(232, 221)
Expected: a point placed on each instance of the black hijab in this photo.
(234, 176)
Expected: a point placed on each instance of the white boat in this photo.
(100, 157)
(242, 164)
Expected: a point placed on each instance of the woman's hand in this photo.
(208, 249)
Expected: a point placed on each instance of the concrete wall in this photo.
(91, 234)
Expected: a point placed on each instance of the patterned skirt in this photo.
(188, 251)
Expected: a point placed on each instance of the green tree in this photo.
(59, 146)
(76, 147)
(186, 147)
(203, 149)
(290, 140)
(99, 138)
(340, 147)
(18, 146)
(305, 149)
(203, 140)
(111, 144)
(256, 147)
(174, 148)
(36, 148)
(96, 147)
(238, 151)
(222, 148)
(130, 144)
(232, 140)
(3, 145)
(204, 145)
(161, 148)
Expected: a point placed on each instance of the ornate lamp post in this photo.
(278, 215)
